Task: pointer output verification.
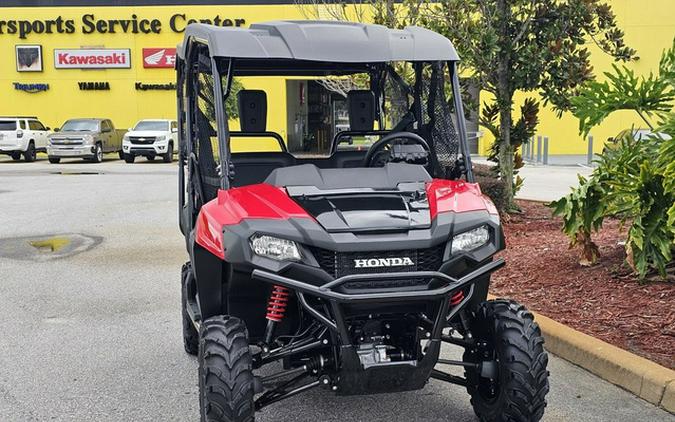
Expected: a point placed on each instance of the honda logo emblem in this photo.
(383, 262)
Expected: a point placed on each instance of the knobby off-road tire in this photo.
(508, 332)
(226, 384)
(190, 334)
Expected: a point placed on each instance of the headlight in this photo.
(160, 138)
(275, 248)
(470, 240)
(88, 139)
(125, 138)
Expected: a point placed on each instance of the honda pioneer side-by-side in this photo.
(347, 254)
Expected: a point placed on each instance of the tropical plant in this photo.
(635, 176)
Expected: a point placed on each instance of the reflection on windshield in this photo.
(150, 125)
(80, 126)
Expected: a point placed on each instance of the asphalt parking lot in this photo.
(94, 335)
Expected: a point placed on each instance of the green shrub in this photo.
(634, 178)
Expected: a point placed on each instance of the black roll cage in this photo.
(286, 67)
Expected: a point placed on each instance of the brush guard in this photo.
(391, 376)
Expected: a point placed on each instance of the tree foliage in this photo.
(635, 176)
(526, 45)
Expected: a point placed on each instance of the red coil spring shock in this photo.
(276, 306)
(457, 298)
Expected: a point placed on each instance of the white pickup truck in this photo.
(151, 138)
(22, 136)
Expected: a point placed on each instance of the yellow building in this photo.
(62, 86)
(649, 27)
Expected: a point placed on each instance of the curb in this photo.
(642, 377)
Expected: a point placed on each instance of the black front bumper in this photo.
(392, 376)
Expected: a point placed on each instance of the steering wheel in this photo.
(378, 154)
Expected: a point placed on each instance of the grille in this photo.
(67, 141)
(339, 264)
(141, 140)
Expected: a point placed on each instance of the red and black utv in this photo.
(358, 245)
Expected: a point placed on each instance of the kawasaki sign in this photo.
(95, 58)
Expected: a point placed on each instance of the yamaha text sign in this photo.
(94, 58)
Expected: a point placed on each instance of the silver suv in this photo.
(22, 136)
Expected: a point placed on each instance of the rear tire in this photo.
(505, 330)
(54, 160)
(226, 383)
(129, 159)
(168, 157)
(30, 154)
(190, 334)
(16, 156)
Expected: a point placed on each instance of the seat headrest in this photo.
(361, 103)
(252, 110)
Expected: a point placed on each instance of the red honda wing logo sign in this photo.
(159, 57)
(94, 58)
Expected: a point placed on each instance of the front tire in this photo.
(505, 331)
(190, 334)
(98, 154)
(168, 157)
(226, 383)
(129, 158)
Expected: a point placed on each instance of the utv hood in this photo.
(390, 198)
(366, 211)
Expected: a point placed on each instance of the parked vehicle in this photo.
(151, 138)
(22, 136)
(351, 269)
(85, 138)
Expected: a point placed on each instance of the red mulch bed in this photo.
(604, 300)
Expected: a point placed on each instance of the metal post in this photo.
(545, 150)
(526, 149)
(532, 149)
(539, 149)
(589, 156)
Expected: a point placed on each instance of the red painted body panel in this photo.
(237, 204)
(456, 196)
(272, 203)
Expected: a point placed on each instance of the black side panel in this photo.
(208, 270)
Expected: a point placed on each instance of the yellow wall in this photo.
(649, 26)
(123, 103)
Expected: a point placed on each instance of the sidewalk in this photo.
(545, 183)
(548, 183)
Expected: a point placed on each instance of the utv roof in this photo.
(324, 41)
